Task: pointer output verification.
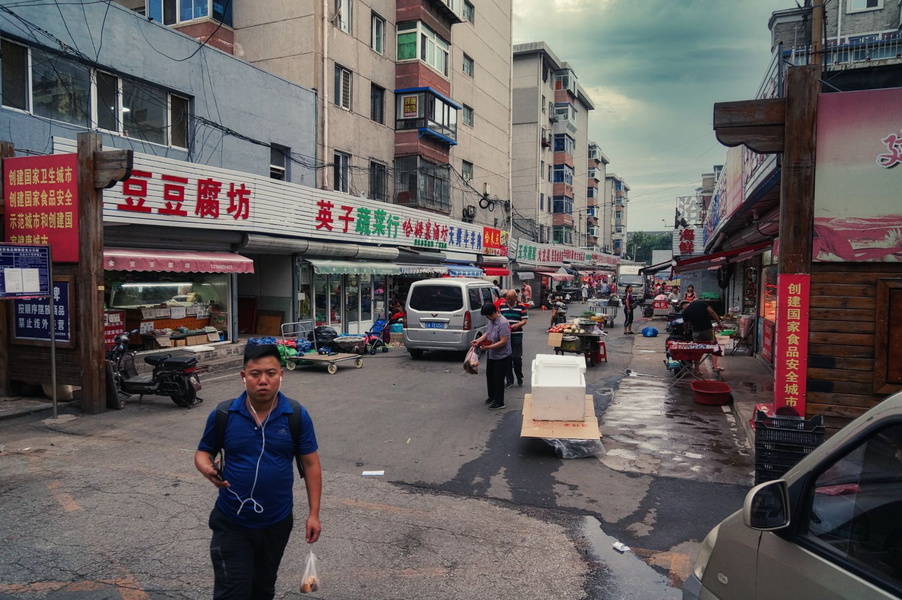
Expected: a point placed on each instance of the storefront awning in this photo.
(521, 275)
(422, 269)
(555, 274)
(652, 269)
(173, 261)
(713, 261)
(496, 271)
(354, 267)
(464, 271)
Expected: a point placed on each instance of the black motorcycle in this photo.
(173, 375)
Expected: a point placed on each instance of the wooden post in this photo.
(7, 150)
(90, 277)
(797, 180)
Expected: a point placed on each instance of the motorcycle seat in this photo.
(139, 380)
(182, 361)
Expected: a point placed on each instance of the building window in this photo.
(343, 15)
(467, 170)
(433, 50)
(550, 173)
(469, 116)
(564, 143)
(278, 162)
(378, 187)
(15, 75)
(109, 109)
(428, 113)
(341, 167)
(469, 12)
(858, 5)
(563, 235)
(378, 34)
(592, 192)
(565, 80)
(543, 104)
(542, 202)
(563, 174)
(377, 103)
(469, 66)
(60, 88)
(179, 113)
(342, 87)
(541, 167)
(563, 205)
(145, 117)
(565, 112)
(171, 12)
(421, 184)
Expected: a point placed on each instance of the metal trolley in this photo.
(299, 331)
(590, 345)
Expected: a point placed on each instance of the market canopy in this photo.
(713, 261)
(353, 267)
(525, 275)
(174, 261)
(422, 269)
(556, 274)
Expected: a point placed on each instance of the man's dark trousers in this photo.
(516, 360)
(246, 561)
(495, 372)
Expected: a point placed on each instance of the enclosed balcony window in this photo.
(416, 41)
(564, 143)
(563, 205)
(563, 174)
(565, 112)
(565, 80)
(173, 12)
(425, 110)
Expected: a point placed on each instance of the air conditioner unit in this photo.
(469, 211)
(486, 189)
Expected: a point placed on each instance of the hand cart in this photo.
(300, 330)
(601, 308)
(590, 345)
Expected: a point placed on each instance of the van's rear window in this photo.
(444, 298)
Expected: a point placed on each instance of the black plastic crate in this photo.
(781, 442)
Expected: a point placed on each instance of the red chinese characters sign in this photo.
(177, 197)
(791, 360)
(41, 194)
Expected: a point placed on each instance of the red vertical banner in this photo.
(791, 340)
(41, 194)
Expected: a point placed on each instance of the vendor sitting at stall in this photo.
(396, 312)
(698, 316)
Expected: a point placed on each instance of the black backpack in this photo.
(221, 420)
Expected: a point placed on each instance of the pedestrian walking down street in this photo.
(516, 314)
(527, 293)
(584, 290)
(497, 344)
(252, 519)
(629, 305)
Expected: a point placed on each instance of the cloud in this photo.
(654, 69)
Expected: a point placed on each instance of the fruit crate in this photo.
(781, 442)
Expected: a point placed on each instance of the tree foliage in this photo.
(641, 245)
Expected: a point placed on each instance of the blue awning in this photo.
(464, 271)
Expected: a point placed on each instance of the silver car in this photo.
(830, 529)
(444, 313)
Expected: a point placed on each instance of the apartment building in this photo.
(549, 178)
(596, 207)
(413, 96)
(613, 225)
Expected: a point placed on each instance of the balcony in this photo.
(562, 219)
(591, 220)
(453, 10)
(861, 51)
(546, 138)
(563, 189)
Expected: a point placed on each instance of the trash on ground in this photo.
(621, 547)
(565, 448)
(373, 473)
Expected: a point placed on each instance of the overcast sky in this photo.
(654, 69)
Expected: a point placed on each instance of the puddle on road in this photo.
(624, 575)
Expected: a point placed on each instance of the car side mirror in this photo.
(766, 506)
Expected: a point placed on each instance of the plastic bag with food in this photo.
(310, 580)
(471, 362)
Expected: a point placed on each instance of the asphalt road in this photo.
(110, 506)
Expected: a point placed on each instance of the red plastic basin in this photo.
(711, 393)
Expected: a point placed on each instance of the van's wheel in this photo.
(332, 368)
(416, 354)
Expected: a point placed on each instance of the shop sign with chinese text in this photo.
(173, 193)
(791, 338)
(41, 194)
(555, 255)
(687, 242)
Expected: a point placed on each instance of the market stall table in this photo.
(685, 359)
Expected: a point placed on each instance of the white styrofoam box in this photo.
(559, 388)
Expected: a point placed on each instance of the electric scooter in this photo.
(173, 376)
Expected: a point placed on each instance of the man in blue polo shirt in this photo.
(252, 519)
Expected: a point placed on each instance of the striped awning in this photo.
(353, 267)
(422, 269)
(464, 271)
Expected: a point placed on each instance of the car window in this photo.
(438, 298)
(856, 506)
(475, 299)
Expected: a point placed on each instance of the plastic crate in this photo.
(781, 442)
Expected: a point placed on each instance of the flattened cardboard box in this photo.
(587, 429)
(555, 339)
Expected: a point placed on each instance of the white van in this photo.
(444, 313)
(830, 529)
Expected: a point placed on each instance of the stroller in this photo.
(375, 337)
